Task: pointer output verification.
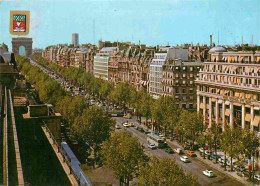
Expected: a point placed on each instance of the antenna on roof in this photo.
(218, 37)
(94, 30)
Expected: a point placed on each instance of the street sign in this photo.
(19, 22)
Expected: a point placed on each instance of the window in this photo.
(191, 69)
(177, 90)
(184, 75)
(184, 106)
(191, 82)
(184, 98)
(183, 68)
(184, 90)
(190, 105)
(191, 97)
(191, 75)
(191, 91)
(176, 75)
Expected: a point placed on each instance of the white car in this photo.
(118, 127)
(178, 151)
(185, 159)
(126, 125)
(152, 146)
(208, 173)
(162, 137)
(257, 177)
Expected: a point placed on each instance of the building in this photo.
(155, 70)
(75, 39)
(101, 62)
(228, 88)
(178, 81)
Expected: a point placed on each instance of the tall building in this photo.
(75, 39)
(155, 70)
(228, 88)
(101, 61)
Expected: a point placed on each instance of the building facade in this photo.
(228, 89)
(178, 81)
(75, 39)
(101, 60)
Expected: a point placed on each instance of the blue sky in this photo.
(150, 21)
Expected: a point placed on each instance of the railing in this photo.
(66, 159)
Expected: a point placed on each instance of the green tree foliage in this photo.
(232, 142)
(192, 123)
(123, 154)
(215, 135)
(164, 172)
(93, 126)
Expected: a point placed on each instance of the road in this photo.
(195, 167)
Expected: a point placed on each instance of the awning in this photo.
(238, 80)
(220, 101)
(213, 99)
(213, 59)
(247, 118)
(241, 58)
(258, 59)
(207, 105)
(227, 112)
(237, 104)
(201, 105)
(227, 102)
(237, 94)
(256, 70)
(256, 121)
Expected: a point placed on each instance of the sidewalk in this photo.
(72, 179)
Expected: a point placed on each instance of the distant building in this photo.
(101, 62)
(4, 53)
(75, 39)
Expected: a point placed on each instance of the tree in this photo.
(164, 172)
(215, 134)
(192, 123)
(123, 154)
(231, 142)
(93, 126)
(250, 142)
(121, 94)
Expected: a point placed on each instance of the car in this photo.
(201, 150)
(126, 125)
(146, 131)
(185, 159)
(208, 152)
(191, 153)
(114, 115)
(131, 124)
(208, 173)
(239, 168)
(257, 177)
(118, 127)
(214, 156)
(136, 127)
(152, 146)
(169, 150)
(178, 151)
(162, 137)
(127, 116)
(141, 129)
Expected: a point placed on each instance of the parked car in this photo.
(208, 173)
(191, 153)
(185, 159)
(136, 127)
(214, 156)
(118, 127)
(152, 146)
(131, 124)
(146, 131)
(126, 125)
(169, 150)
(178, 151)
(239, 168)
(257, 177)
(162, 137)
(141, 129)
(127, 116)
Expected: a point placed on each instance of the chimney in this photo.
(210, 40)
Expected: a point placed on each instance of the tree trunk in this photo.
(204, 152)
(225, 164)
(231, 164)
(216, 152)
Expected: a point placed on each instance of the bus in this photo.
(156, 140)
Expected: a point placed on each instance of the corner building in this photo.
(228, 90)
